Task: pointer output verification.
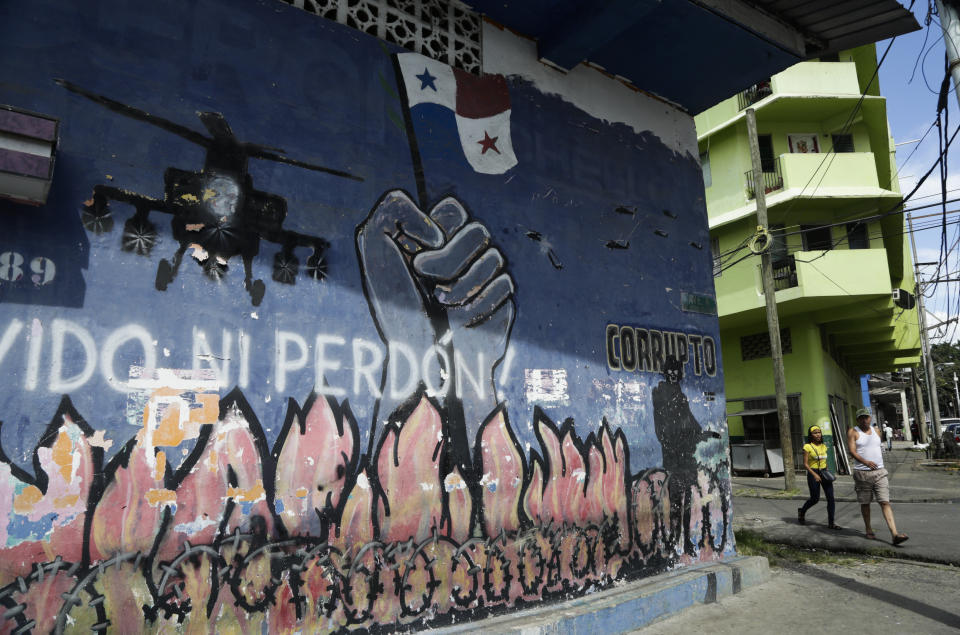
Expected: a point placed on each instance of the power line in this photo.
(850, 219)
(914, 151)
(899, 205)
(831, 154)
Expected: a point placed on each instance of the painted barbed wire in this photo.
(308, 536)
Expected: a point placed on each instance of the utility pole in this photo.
(931, 372)
(918, 416)
(956, 393)
(905, 419)
(773, 321)
(950, 23)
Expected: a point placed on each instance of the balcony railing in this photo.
(784, 274)
(755, 93)
(771, 177)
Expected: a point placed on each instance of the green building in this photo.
(844, 288)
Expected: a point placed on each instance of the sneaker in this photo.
(800, 514)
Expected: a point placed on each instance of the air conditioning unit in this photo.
(28, 146)
(904, 299)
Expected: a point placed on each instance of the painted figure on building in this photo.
(679, 434)
(357, 452)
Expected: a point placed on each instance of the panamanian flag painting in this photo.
(481, 106)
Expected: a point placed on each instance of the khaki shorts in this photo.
(871, 485)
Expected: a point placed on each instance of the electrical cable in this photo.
(923, 46)
(844, 129)
(896, 177)
(831, 154)
(897, 208)
(849, 219)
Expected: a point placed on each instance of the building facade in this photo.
(841, 258)
(354, 315)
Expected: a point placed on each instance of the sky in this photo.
(910, 79)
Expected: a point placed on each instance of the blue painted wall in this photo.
(326, 94)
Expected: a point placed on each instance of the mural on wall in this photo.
(450, 426)
(216, 210)
(447, 514)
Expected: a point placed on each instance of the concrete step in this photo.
(631, 605)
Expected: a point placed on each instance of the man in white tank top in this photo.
(869, 476)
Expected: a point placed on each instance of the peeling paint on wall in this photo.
(362, 451)
(544, 385)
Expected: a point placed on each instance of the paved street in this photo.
(918, 592)
(910, 480)
(880, 598)
(930, 525)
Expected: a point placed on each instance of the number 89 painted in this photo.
(11, 268)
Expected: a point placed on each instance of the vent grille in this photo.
(758, 346)
(442, 30)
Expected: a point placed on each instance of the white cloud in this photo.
(928, 254)
(930, 192)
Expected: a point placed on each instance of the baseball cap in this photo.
(863, 412)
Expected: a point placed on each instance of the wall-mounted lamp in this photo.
(28, 148)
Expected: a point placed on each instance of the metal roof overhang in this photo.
(695, 53)
(750, 413)
(833, 25)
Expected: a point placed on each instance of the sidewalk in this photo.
(913, 479)
(924, 504)
(880, 598)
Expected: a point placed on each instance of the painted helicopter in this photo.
(216, 210)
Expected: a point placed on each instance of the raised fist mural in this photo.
(441, 297)
(322, 436)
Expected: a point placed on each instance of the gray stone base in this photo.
(632, 605)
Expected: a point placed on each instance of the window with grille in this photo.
(816, 238)
(778, 246)
(857, 236)
(758, 346)
(767, 158)
(843, 143)
(444, 30)
(765, 403)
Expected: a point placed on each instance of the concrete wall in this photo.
(371, 391)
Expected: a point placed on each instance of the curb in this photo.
(868, 548)
(847, 499)
(633, 605)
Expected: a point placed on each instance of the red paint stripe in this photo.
(483, 96)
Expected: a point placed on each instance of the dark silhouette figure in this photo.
(679, 433)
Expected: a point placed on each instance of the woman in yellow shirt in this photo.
(815, 461)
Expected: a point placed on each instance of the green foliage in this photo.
(946, 360)
(750, 543)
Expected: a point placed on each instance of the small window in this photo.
(715, 252)
(857, 236)
(778, 246)
(816, 238)
(830, 57)
(843, 143)
(767, 159)
(757, 346)
(705, 166)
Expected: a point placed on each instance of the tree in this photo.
(946, 360)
